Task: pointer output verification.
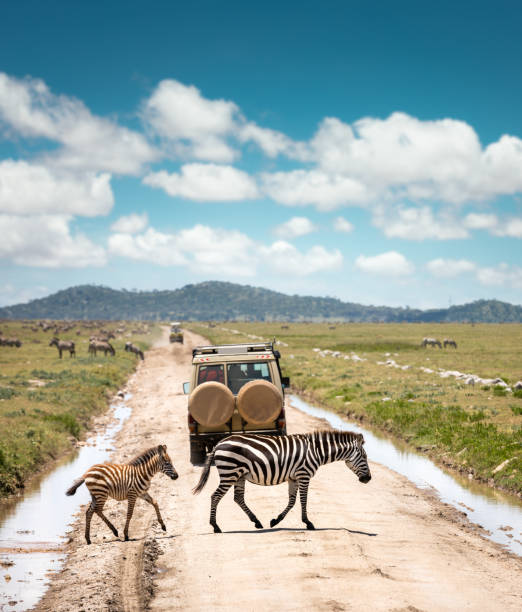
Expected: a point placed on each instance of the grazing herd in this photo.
(435, 342)
(100, 343)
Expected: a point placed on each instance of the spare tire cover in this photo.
(211, 404)
(259, 401)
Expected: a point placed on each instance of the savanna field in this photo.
(47, 403)
(475, 429)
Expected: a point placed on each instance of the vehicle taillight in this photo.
(192, 424)
(281, 419)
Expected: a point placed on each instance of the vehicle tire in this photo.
(211, 404)
(198, 454)
(259, 402)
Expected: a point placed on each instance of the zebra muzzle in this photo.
(366, 478)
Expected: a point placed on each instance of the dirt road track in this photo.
(382, 546)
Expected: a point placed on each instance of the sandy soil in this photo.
(382, 546)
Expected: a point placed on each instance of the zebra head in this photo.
(357, 460)
(165, 463)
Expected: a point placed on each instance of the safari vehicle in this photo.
(176, 335)
(234, 388)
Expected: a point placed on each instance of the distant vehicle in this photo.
(176, 335)
(234, 388)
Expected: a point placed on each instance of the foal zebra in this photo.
(127, 481)
(270, 460)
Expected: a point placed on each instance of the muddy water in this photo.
(32, 530)
(498, 513)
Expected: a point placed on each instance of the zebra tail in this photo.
(205, 474)
(72, 489)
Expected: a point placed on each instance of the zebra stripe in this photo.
(271, 460)
(124, 481)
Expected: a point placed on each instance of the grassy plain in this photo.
(46, 403)
(474, 429)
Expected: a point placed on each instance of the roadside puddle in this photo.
(33, 527)
(489, 508)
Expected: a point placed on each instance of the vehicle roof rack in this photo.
(233, 349)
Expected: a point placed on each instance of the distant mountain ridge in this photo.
(221, 301)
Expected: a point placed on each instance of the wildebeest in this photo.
(431, 342)
(10, 342)
(63, 345)
(98, 345)
(449, 342)
(134, 349)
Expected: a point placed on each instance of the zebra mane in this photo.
(337, 435)
(144, 456)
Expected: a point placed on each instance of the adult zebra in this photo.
(271, 460)
(127, 481)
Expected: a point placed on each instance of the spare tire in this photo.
(259, 402)
(211, 404)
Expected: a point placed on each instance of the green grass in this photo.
(470, 428)
(47, 403)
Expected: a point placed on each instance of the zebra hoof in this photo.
(310, 526)
(164, 528)
(273, 522)
(88, 541)
(258, 525)
(217, 529)
(126, 538)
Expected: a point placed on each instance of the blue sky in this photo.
(367, 151)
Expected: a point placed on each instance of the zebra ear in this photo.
(163, 447)
(361, 438)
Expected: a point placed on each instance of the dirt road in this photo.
(382, 546)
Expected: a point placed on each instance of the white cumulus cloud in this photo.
(205, 182)
(45, 241)
(501, 275)
(31, 188)
(287, 259)
(195, 126)
(89, 142)
(130, 224)
(220, 252)
(301, 187)
(449, 268)
(295, 227)
(387, 264)
(342, 225)
(418, 223)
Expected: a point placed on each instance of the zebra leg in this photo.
(214, 501)
(130, 510)
(292, 494)
(99, 511)
(88, 517)
(239, 498)
(303, 496)
(149, 499)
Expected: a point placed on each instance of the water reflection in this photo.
(37, 522)
(485, 506)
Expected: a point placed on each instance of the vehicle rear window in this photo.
(208, 373)
(238, 374)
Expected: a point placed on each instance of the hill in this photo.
(214, 300)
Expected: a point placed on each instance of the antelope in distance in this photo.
(126, 481)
